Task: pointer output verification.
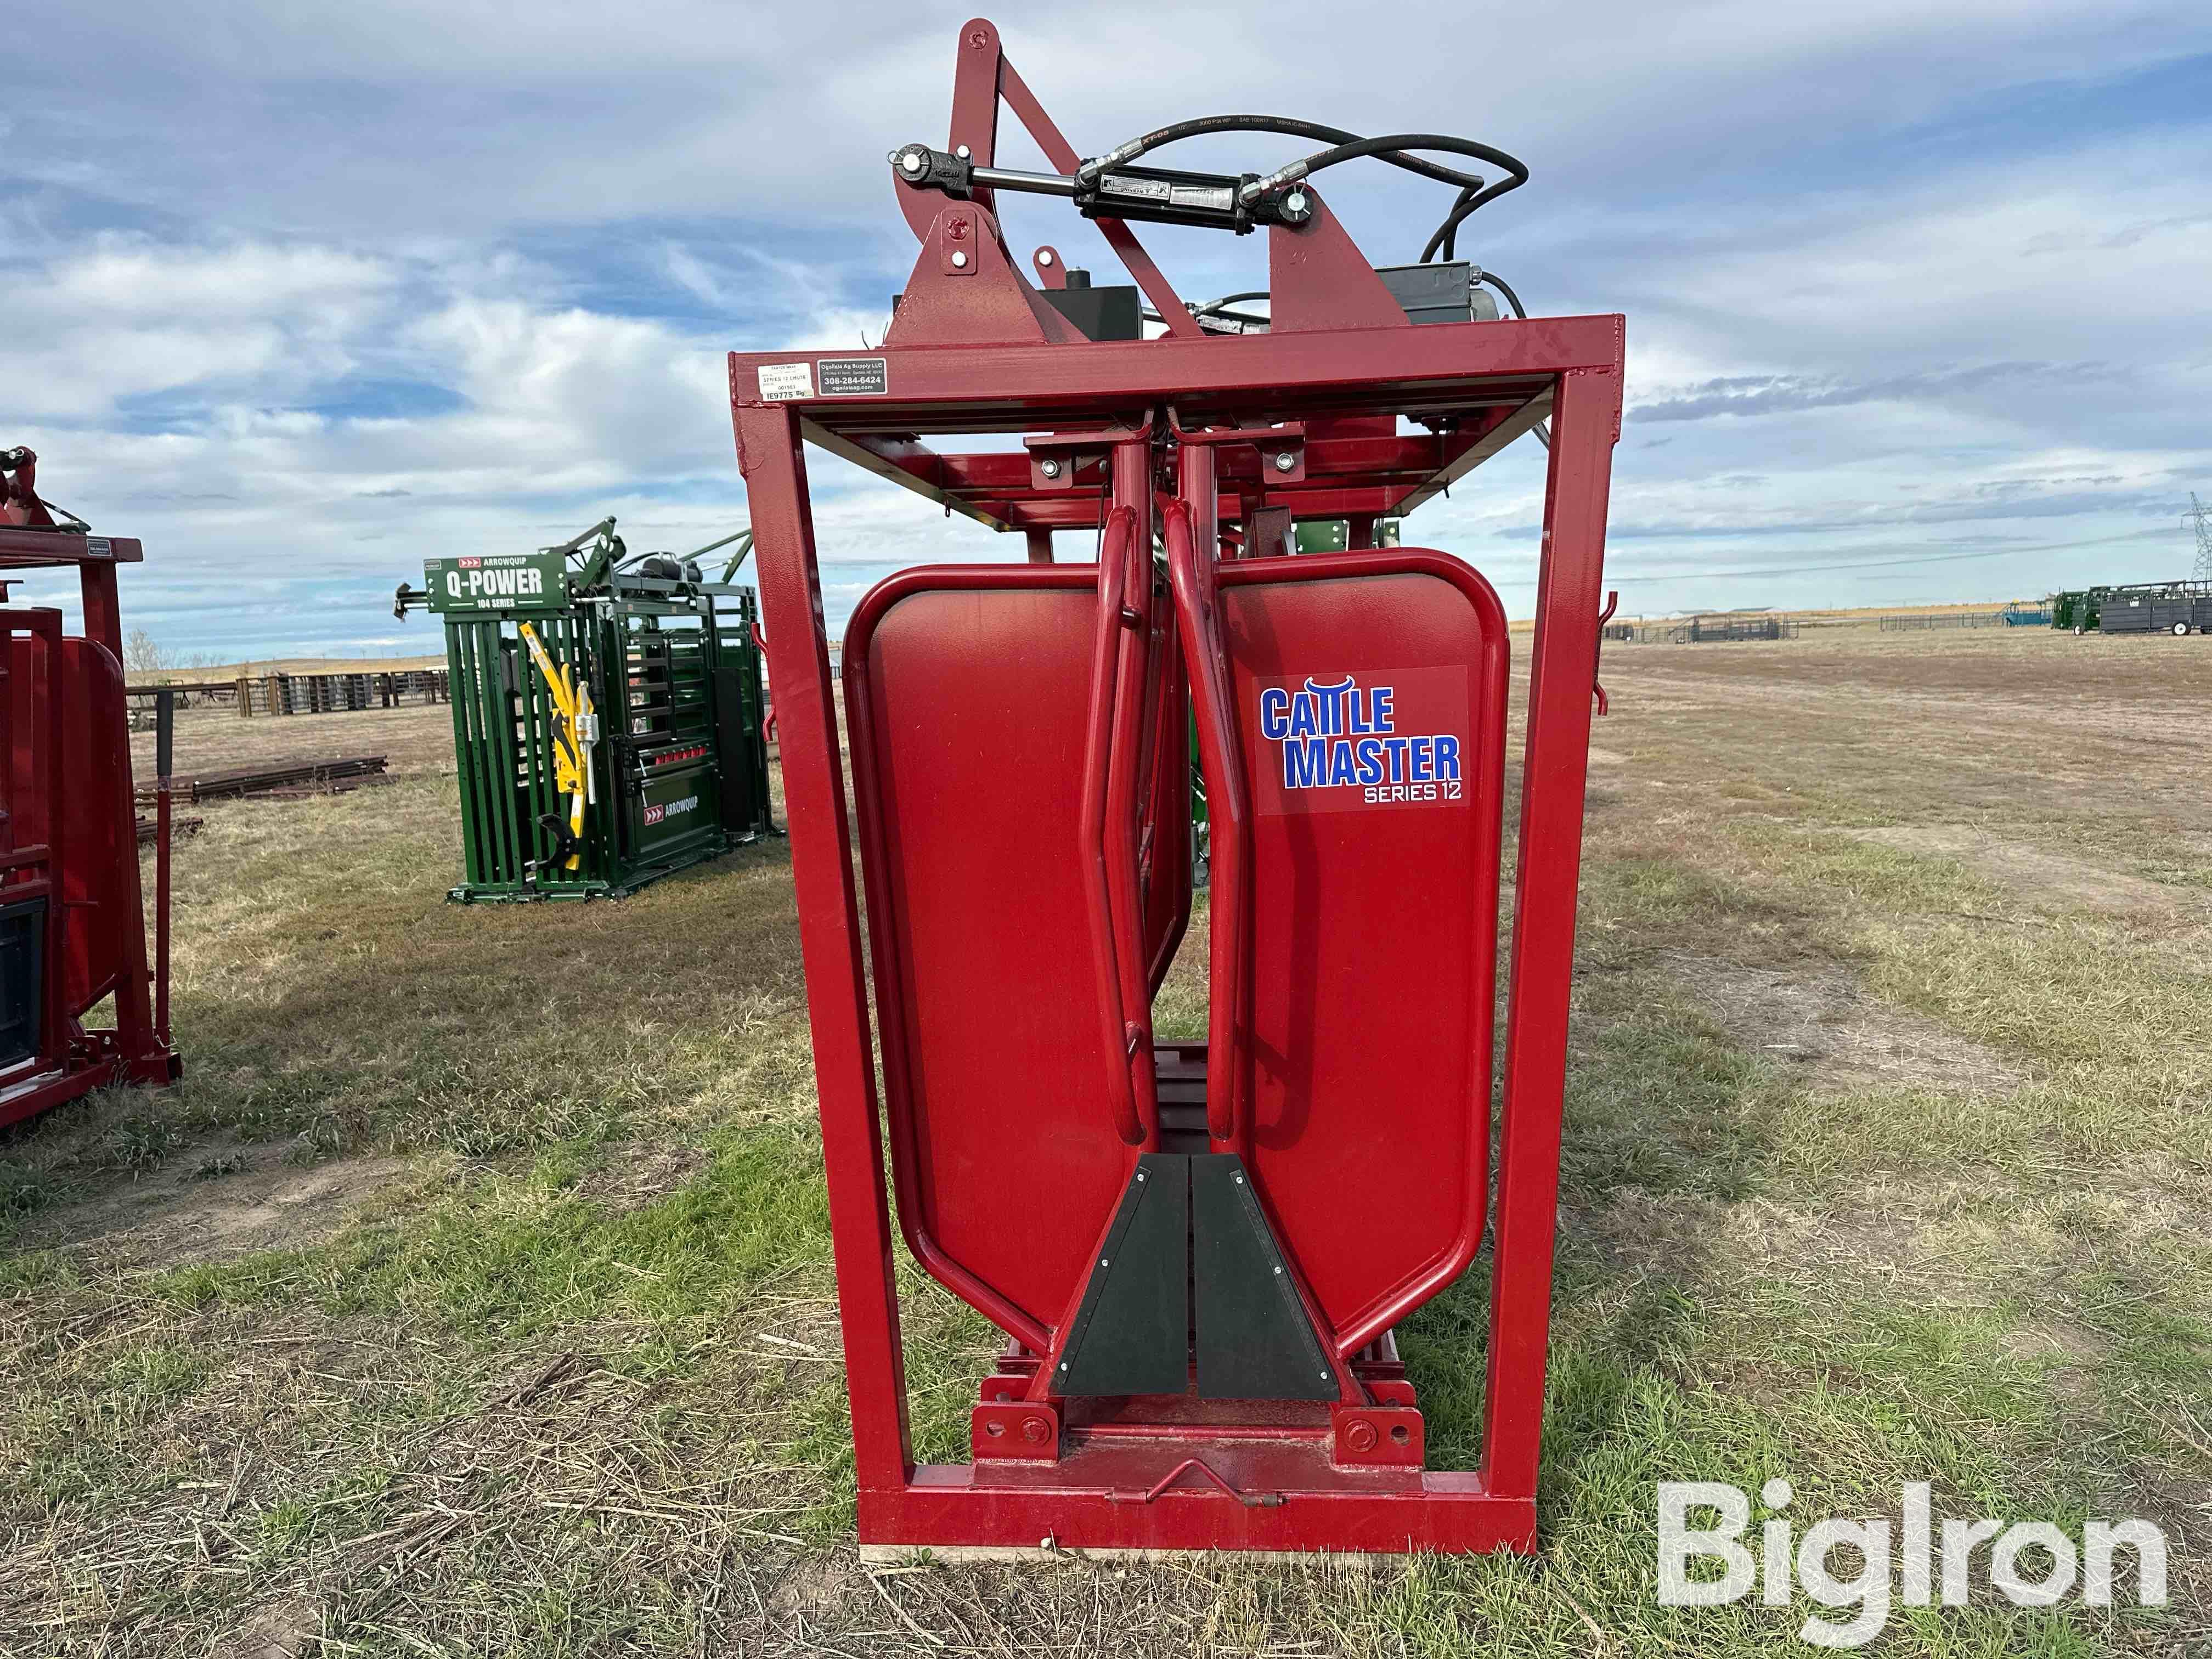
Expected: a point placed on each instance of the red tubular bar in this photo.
(1126, 781)
(1099, 890)
(1229, 1032)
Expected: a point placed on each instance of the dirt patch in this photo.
(1815, 1013)
(216, 1202)
(635, 1173)
(2050, 880)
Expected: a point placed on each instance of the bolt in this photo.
(1279, 1270)
(1063, 1364)
(914, 160)
(1044, 256)
(1359, 1435)
(1328, 1376)
(1239, 1180)
(1286, 461)
(1101, 1261)
(1035, 1429)
(1295, 201)
(979, 39)
(1051, 470)
(957, 230)
(1140, 1174)
(960, 150)
(959, 259)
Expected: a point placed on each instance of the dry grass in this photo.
(471, 1295)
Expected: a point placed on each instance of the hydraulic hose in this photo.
(1511, 298)
(1289, 125)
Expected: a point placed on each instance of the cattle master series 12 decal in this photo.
(1336, 742)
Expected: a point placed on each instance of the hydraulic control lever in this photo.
(1213, 201)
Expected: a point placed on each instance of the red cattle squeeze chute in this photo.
(1197, 1251)
(72, 929)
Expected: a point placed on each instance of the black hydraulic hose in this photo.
(1394, 144)
(1511, 298)
(1293, 127)
(1212, 306)
(1446, 234)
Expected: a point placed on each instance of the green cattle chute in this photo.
(668, 716)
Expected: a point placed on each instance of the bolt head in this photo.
(961, 150)
(1044, 256)
(1051, 470)
(1296, 201)
(956, 229)
(1035, 1429)
(1359, 1435)
(959, 259)
(913, 160)
(1285, 462)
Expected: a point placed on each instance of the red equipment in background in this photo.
(1198, 1251)
(72, 929)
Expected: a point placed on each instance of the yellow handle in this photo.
(568, 754)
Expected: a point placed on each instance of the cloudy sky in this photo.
(1918, 290)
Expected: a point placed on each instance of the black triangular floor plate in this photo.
(1255, 1342)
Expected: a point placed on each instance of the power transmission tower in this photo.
(2203, 521)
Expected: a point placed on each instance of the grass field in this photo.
(471, 1295)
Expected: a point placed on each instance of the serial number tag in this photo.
(782, 382)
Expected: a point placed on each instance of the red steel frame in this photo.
(973, 350)
(72, 1060)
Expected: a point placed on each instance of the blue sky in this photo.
(1918, 293)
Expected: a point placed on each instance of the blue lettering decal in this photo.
(1331, 734)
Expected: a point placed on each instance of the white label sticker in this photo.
(780, 382)
(99, 547)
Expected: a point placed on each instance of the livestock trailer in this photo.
(608, 715)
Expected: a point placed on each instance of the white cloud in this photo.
(298, 298)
